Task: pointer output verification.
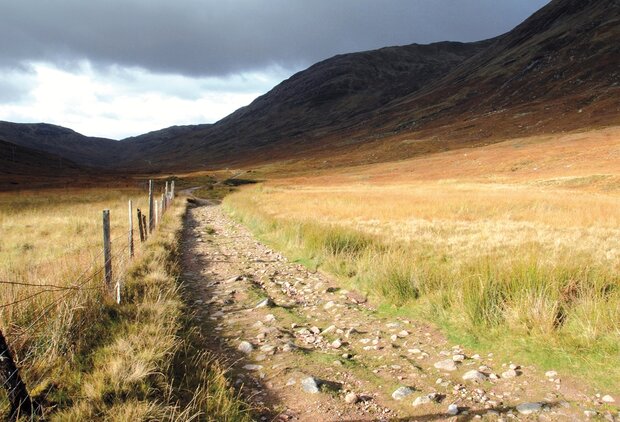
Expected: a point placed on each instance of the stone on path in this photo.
(474, 375)
(310, 385)
(446, 365)
(511, 373)
(401, 392)
(608, 399)
(551, 374)
(267, 302)
(419, 401)
(529, 408)
(351, 398)
(245, 347)
(453, 409)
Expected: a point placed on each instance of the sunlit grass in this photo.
(499, 261)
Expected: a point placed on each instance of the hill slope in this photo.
(556, 71)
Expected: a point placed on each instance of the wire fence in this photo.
(104, 273)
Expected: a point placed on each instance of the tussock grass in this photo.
(89, 358)
(536, 289)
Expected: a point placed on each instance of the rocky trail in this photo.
(301, 348)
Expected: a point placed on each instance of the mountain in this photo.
(62, 142)
(22, 167)
(557, 71)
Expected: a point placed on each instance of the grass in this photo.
(505, 266)
(89, 358)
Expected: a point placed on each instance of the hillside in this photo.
(557, 71)
(63, 142)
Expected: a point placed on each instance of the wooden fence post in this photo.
(140, 226)
(172, 190)
(167, 191)
(151, 215)
(146, 227)
(107, 249)
(130, 229)
(21, 404)
(157, 214)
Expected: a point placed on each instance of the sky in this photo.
(118, 68)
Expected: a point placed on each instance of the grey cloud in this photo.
(216, 38)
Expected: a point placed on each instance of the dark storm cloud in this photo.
(215, 37)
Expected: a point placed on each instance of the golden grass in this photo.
(82, 355)
(529, 253)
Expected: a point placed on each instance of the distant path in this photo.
(311, 328)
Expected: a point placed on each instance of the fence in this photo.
(112, 261)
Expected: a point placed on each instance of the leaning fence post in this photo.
(21, 404)
(107, 249)
(130, 229)
(140, 226)
(151, 215)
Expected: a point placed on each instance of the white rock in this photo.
(608, 399)
(336, 343)
(328, 329)
(270, 318)
(590, 413)
(529, 408)
(551, 374)
(403, 333)
(458, 358)
(446, 365)
(351, 398)
(474, 375)
(329, 305)
(453, 409)
(511, 373)
(419, 401)
(245, 347)
(401, 392)
(310, 385)
(251, 367)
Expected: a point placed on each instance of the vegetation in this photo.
(82, 355)
(507, 267)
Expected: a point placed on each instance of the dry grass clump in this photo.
(490, 260)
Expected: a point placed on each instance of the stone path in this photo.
(302, 348)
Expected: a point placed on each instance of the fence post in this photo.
(140, 226)
(146, 228)
(21, 404)
(151, 222)
(130, 229)
(157, 214)
(107, 249)
(167, 191)
(172, 190)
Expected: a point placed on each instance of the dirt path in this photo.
(304, 349)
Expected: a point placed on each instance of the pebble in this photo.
(551, 374)
(511, 373)
(446, 365)
(608, 399)
(453, 409)
(251, 367)
(351, 398)
(419, 401)
(245, 347)
(590, 413)
(474, 375)
(401, 392)
(310, 385)
(458, 358)
(329, 305)
(529, 408)
(336, 343)
(270, 318)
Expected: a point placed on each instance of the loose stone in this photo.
(474, 375)
(351, 398)
(511, 373)
(310, 385)
(446, 365)
(245, 347)
(453, 409)
(401, 392)
(529, 408)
